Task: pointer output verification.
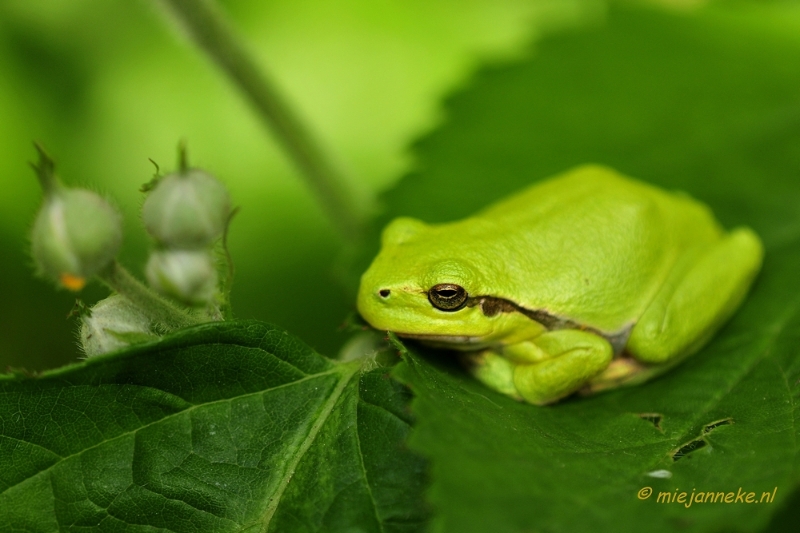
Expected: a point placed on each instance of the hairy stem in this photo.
(205, 24)
(165, 313)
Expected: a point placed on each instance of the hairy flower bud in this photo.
(186, 209)
(114, 323)
(75, 235)
(186, 275)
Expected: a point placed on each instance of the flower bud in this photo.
(114, 323)
(186, 275)
(75, 235)
(186, 209)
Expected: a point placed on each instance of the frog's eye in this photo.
(447, 296)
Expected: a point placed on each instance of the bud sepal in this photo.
(187, 209)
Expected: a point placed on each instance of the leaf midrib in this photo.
(364, 471)
(306, 441)
(163, 419)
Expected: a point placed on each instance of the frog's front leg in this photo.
(546, 368)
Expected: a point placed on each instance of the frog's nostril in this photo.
(384, 293)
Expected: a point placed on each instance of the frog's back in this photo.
(591, 245)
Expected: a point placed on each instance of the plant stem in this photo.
(204, 23)
(227, 286)
(165, 313)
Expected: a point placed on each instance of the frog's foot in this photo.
(622, 372)
(689, 310)
(493, 370)
(572, 358)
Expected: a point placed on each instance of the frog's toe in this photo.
(493, 370)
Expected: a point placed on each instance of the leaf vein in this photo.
(167, 417)
(380, 407)
(307, 441)
(364, 470)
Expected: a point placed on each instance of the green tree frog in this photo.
(582, 282)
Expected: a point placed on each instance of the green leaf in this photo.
(223, 427)
(706, 103)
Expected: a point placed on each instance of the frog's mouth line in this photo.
(444, 339)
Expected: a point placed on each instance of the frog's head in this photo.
(422, 284)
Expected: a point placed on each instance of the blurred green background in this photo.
(106, 85)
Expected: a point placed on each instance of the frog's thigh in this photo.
(576, 357)
(686, 313)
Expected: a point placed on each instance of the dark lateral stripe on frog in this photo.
(491, 306)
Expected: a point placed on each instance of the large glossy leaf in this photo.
(706, 103)
(223, 427)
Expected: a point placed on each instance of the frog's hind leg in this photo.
(690, 309)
